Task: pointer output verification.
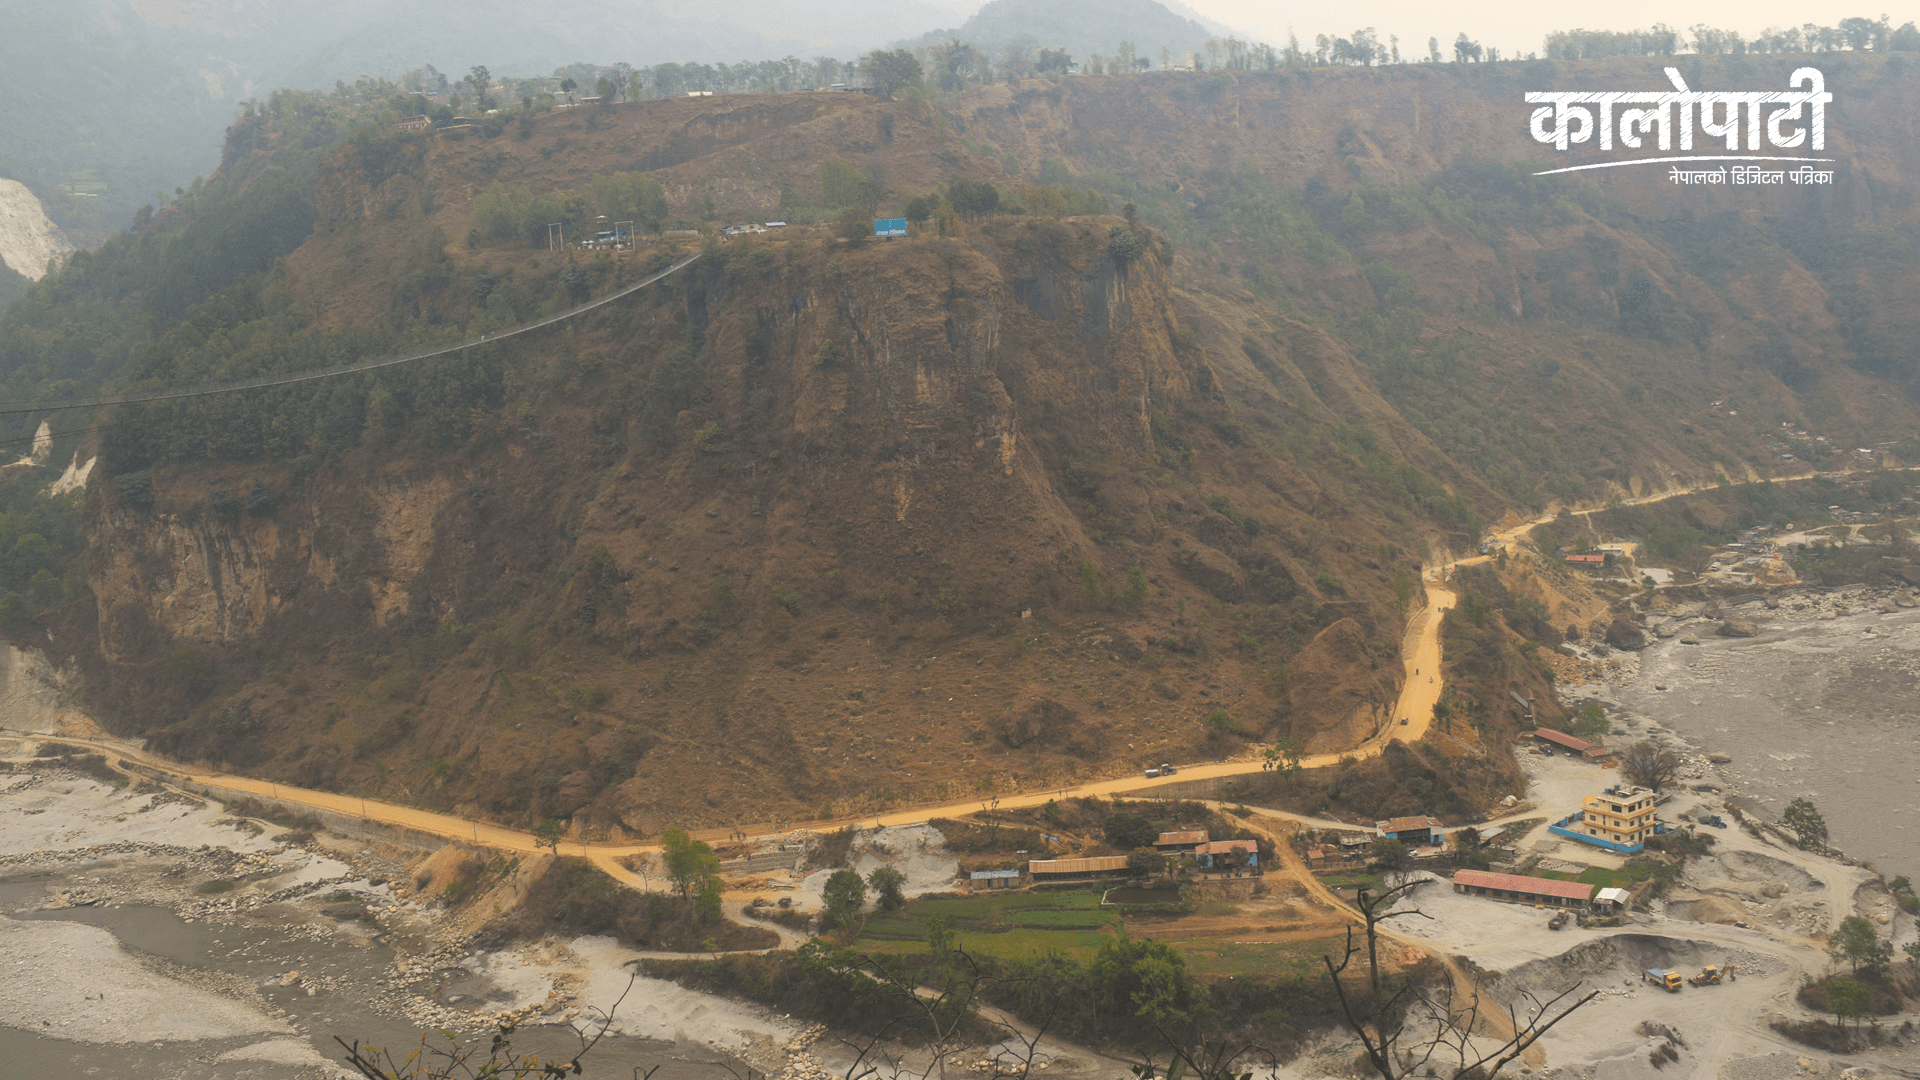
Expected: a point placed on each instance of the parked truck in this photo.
(1662, 977)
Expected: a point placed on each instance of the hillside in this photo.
(832, 525)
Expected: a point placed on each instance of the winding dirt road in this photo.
(1420, 689)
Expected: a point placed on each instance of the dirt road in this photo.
(1420, 690)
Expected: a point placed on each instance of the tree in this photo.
(1375, 910)
(1124, 244)
(567, 87)
(1848, 1000)
(1912, 949)
(890, 71)
(1465, 49)
(886, 882)
(1649, 766)
(691, 864)
(1130, 831)
(1396, 1039)
(1145, 986)
(1856, 943)
(1145, 862)
(1589, 722)
(1283, 756)
(845, 895)
(547, 834)
(481, 80)
(1390, 855)
(1806, 823)
(971, 198)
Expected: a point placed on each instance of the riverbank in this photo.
(150, 933)
(1817, 703)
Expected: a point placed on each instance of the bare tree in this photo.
(1411, 1032)
(1378, 909)
(1648, 766)
(454, 1060)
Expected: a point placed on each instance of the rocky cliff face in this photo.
(932, 514)
(28, 239)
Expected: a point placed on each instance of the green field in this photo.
(1207, 956)
(1010, 924)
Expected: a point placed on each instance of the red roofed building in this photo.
(1209, 854)
(1180, 843)
(1564, 741)
(1419, 831)
(1516, 889)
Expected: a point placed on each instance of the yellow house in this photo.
(1620, 816)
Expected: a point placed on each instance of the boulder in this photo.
(1689, 640)
(1719, 759)
(1772, 604)
(1622, 634)
(1737, 627)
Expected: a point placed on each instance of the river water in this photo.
(1822, 708)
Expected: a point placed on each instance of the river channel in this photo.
(1813, 706)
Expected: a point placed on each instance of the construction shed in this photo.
(1560, 740)
(1516, 889)
(1068, 869)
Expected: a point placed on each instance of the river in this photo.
(1813, 706)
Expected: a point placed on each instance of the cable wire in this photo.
(22, 407)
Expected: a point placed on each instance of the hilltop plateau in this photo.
(1140, 460)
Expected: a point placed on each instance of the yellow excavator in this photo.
(1712, 974)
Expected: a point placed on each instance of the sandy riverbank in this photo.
(149, 933)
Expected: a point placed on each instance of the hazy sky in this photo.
(1517, 28)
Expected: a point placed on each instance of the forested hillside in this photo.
(1134, 450)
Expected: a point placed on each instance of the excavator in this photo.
(1712, 974)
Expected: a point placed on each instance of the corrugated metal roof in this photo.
(1577, 745)
(1094, 865)
(1221, 847)
(1193, 836)
(984, 875)
(1480, 879)
(1611, 896)
(1408, 824)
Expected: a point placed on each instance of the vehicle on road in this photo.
(1152, 773)
(1168, 770)
(1559, 920)
(1662, 977)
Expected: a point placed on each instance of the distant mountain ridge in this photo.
(1082, 27)
(163, 78)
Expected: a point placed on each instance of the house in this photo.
(1412, 831)
(1516, 889)
(1180, 843)
(1610, 901)
(1324, 857)
(1213, 855)
(1619, 819)
(1560, 740)
(989, 879)
(414, 123)
(1068, 869)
